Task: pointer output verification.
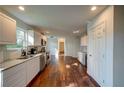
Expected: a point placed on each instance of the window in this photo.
(30, 38)
(24, 38)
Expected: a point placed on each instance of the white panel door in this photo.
(100, 53)
(96, 53)
(90, 60)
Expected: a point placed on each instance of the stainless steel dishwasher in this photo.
(42, 61)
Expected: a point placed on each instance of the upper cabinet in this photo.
(84, 40)
(37, 38)
(7, 30)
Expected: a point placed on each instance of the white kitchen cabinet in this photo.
(0, 28)
(20, 75)
(30, 71)
(80, 57)
(84, 40)
(0, 79)
(36, 65)
(14, 76)
(37, 38)
(44, 37)
(33, 67)
(7, 30)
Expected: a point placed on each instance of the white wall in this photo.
(118, 58)
(107, 17)
(72, 45)
(52, 45)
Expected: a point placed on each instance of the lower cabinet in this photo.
(20, 75)
(80, 57)
(15, 76)
(33, 67)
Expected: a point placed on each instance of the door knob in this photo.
(90, 55)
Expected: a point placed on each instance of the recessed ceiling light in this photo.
(93, 8)
(21, 8)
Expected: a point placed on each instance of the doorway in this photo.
(61, 46)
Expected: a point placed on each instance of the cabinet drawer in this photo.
(33, 68)
(15, 76)
(12, 71)
(16, 80)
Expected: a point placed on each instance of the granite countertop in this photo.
(10, 63)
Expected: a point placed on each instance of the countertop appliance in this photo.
(33, 51)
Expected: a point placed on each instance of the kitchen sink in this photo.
(25, 57)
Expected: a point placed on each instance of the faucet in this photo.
(23, 52)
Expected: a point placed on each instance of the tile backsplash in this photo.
(6, 54)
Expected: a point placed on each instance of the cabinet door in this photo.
(0, 28)
(90, 59)
(80, 58)
(81, 41)
(0, 79)
(15, 76)
(37, 38)
(36, 61)
(85, 40)
(9, 30)
(30, 71)
(33, 67)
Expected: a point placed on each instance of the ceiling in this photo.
(57, 19)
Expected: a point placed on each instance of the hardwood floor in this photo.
(64, 72)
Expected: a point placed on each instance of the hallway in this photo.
(64, 72)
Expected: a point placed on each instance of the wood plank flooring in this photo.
(63, 72)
